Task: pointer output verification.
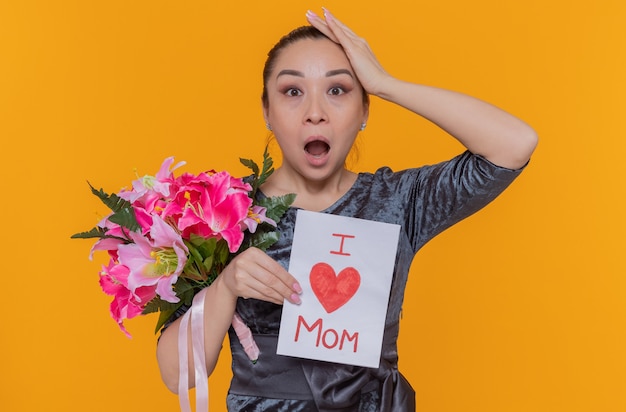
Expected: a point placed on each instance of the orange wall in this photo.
(520, 308)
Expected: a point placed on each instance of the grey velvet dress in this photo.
(423, 201)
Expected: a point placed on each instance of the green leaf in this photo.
(250, 164)
(95, 232)
(259, 176)
(277, 205)
(208, 263)
(153, 306)
(125, 218)
(164, 316)
(267, 168)
(221, 252)
(123, 214)
(195, 253)
(263, 239)
(191, 268)
(112, 201)
(184, 290)
(206, 247)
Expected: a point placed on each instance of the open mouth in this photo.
(317, 148)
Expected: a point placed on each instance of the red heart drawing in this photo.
(333, 291)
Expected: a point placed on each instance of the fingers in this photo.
(253, 274)
(269, 283)
(335, 24)
(319, 23)
(331, 27)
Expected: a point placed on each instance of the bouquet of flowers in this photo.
(169, 237)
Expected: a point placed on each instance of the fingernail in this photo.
(295, 299)
(297, 288)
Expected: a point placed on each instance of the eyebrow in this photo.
(297, 73)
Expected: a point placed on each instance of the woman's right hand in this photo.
(253, 274)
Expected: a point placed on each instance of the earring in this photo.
(268, 126)
(363, 125)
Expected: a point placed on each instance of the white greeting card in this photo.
(345, 267)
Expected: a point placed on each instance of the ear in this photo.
(366, 110)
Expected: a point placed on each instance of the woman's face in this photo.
(315, 107)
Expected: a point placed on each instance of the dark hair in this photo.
(300, 33)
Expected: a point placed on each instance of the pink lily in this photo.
(110, 244)
(156, 261)
(125, 305)
(256, 215)
(211, 206)
(152, 187)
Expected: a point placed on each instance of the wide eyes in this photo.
(333, 91)
(292, 92)
(336, 91)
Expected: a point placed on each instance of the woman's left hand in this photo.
(365, 64)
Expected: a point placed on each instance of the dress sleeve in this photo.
(438, 196)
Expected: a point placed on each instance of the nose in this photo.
(316, 109)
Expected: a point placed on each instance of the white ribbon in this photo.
(196, 313)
